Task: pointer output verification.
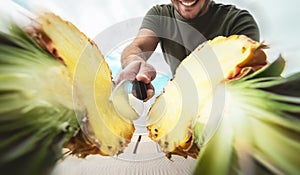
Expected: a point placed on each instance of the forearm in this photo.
(132, 53)
(141, 48)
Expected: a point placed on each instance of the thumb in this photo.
(146, 73)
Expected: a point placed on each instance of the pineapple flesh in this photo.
(227, 106)
(92, 84)
(54, 93)
(171, 122)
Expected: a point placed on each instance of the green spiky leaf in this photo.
(36, 115)
(262, 119)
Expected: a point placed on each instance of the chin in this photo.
(188, 16)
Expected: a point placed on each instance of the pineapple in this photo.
(227, 103)
(54, 93)
(92, 84)
(193, 88)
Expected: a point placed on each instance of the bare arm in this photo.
(134, 58)
(141, 48)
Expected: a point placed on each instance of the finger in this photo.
(129, 72)
(146, 73)
(125, 76)
(150, 92)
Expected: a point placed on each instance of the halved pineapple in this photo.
(92, 84)
(191, 96)
(53, 81)
(229, 102)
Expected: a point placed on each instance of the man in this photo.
(180, 27)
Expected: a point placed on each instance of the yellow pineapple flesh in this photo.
(190, 98)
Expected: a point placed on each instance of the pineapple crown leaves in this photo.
(261, 128)
(33, 125)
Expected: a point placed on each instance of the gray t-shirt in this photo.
(179, 36)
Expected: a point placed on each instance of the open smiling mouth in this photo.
(188, 3)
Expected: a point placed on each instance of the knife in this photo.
(139, 88)
(124, 101)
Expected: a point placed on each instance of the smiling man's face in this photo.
(188, 9)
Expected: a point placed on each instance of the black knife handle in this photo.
(140, 89)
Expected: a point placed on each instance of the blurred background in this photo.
(278, 20)
(114, 23)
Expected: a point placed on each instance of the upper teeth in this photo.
(188, 3)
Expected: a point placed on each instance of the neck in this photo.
(204, 8)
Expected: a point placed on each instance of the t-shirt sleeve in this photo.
(151, 20)
(244, 24)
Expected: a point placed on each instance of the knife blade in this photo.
(124, 101)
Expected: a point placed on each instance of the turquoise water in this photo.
(159, 82)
